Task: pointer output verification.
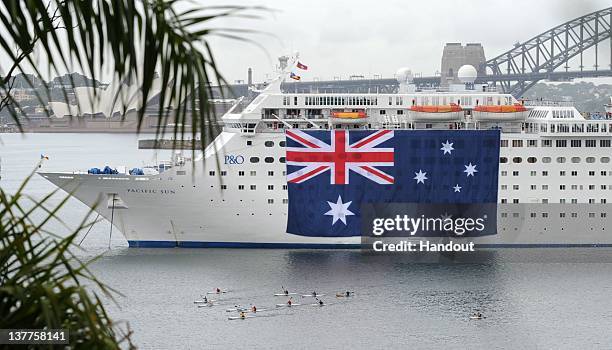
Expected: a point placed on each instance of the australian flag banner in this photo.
(337, 179)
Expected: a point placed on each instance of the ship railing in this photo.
(583, 128)
(547, 103)
(291, 117)
(569, 133)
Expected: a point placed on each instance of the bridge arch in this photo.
(528, 62)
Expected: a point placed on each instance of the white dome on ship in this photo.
(404, 75)
(467, 74)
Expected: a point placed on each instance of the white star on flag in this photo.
(447, 147)
(420, 176)
(339, 210)
(457, 188)
(470, 169)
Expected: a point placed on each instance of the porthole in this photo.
(560, 159)
(503, 160)
(281, 143)
(281, 159)
(546, 160)
(254, 159)
(532, 160)
(269, 160)
(517, 160)
(590, 160)
(269, 143)
(575, 159)
(605, 159)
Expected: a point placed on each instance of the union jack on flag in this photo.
(340, 156)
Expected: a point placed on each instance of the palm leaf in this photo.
(43, 284)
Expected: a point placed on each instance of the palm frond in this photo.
(44, 285)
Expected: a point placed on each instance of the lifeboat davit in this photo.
(500, 113)
(440, 113)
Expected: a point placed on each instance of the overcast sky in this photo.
(339, 38)
(343, 37)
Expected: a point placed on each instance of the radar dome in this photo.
(467, 74)
(403, 75)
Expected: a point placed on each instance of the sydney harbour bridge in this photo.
(546, 56)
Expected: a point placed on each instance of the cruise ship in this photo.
(555, 175)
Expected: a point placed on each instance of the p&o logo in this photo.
(232, 159)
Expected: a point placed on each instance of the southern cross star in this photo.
(420, 176)
(457, 188)
(339, 210)
(470, 169)
(447, 147)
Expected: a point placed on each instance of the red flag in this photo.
(302, 66)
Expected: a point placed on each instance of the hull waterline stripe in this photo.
(255, 245)
(252, 245)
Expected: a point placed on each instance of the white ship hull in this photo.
(175, 209)
(555, 175)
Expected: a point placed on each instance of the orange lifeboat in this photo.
(349, 115)
(453, 107)
(515, 112)
(437, 113)
(517, 107)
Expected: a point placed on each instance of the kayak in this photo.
(343, 295)
(476, 317)
(287, 305)
(240, 318)
(314, 296)
(317, 304)
(203, 302)
(206, 305)
(238, 309)
(258, 310)
(221, 292)
(244, 309)
(283, 294)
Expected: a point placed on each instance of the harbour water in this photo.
(532, 298)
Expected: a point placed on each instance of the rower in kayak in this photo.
(320, 302)
(242, 314)
(289, 302)
(218, 291)
(314, 294)
(205, 300)
(253, 309)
